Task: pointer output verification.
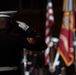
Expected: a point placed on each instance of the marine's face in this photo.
(3, 22)
(55, 45)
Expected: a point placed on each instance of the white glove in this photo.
(23, 25)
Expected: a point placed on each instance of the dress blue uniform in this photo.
(12, 42)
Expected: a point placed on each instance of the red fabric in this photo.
(65, 46)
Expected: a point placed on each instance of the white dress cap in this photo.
(54, 39)
(7, 13)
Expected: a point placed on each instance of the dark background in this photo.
(33, 12)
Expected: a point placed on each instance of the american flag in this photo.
(49, 23)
